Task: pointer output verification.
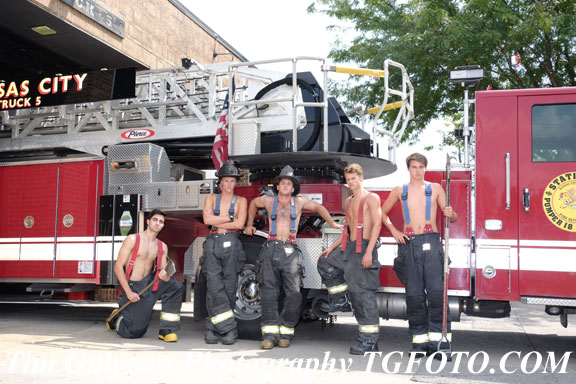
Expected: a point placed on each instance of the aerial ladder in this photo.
(181, 107)
(152, 150)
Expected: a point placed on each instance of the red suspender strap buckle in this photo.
(158, 267)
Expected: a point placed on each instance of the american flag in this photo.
(220, 148)
(516, 60)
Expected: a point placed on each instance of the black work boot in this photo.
(210, 337)
(341, 305)
(229, 337)
(363, 347)
(111, 325)
(167, 335)
(284, 343)
(268, 343)
(420, 350)
(445, 348)
(420, 347)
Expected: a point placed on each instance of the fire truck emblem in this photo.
(68, 220)
(29, 221)
(559, 201)
(138, 134)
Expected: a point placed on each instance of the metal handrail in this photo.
(233, 69)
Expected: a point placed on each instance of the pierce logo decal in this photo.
(138, 134)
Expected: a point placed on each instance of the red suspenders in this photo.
(158, 266)
(133, 258)
(359, 224)
(135, 254)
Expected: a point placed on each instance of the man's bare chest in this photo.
(353, 212)
(284, 213)
(223, 207)
(147, 253)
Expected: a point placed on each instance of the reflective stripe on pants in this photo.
(286, 331)
(337, 289)
(272, 329)
(169, 316)
(222, 317)
(375, 328)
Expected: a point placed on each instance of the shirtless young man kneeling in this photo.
(137, 266)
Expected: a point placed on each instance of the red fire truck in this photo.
(77, 179)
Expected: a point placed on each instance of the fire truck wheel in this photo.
(248, 311)
(316, 311)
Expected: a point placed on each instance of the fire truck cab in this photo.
(525, 167)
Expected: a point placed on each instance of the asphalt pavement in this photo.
(51, 343)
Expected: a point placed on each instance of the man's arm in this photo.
(256, 203)
(208, 213)
(390, 202)
(375, 212)
(239, 218)
(162, 275)
(123, 257)
(319, 209)
(446, 210)
(323, 212)
(331, 248)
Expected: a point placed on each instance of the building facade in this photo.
(51, 36)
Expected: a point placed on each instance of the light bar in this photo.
(470, 73)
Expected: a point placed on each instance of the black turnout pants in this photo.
(222, 259)
(280, 269)
(424, 287)
(133, 322)
(345, 268)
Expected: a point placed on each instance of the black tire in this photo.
(248, 310)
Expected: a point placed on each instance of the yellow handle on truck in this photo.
(359, 71)
(388, 107)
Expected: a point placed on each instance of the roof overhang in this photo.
(26, 52)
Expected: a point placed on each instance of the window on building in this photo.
(553, 133)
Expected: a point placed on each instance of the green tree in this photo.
(432, 37)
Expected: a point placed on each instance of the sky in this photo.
(265, 29)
